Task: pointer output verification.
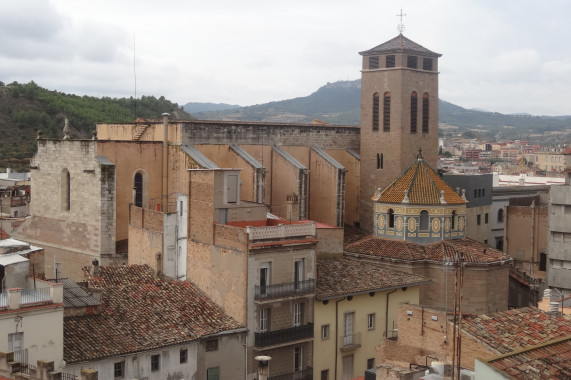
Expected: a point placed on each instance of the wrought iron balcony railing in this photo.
(285, 289)
(349, 342)
(292, 334)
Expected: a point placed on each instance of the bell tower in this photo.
(399, 115)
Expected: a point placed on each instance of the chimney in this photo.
(292, 207)
(95, 263)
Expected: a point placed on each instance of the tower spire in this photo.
(400, 26)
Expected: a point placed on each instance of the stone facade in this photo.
(73, 216)
(559, 238)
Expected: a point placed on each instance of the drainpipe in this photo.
(337, 333)
(164, 199)
(387, 314)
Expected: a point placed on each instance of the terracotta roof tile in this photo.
(345, 276)
(423, 184)
(443, 251)
(545, 361)
(140, 312)
(516, 329)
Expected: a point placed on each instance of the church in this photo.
(236, 206)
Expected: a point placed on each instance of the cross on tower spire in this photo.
(400, 27)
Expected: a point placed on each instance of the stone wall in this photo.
(87, 226)
(263, 133)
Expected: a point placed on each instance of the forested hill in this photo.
(27, 108)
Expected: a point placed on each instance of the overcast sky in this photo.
(506, 56)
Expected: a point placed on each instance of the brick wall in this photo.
(201, 206)
(420, 335)
(221, 273)
(399, 147)
(146, 247)
(231, 237)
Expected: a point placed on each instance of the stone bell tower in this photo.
(399, 115)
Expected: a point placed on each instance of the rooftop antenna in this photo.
(400, 26)
(135, 74)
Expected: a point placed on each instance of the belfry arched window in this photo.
(387, 112)
(413, 111)
(425, 113)
(376, 111)
(453, 224)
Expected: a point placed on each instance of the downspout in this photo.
(337, 333)
(164, 198)
(387, 314)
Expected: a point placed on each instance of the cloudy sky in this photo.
(506, 56)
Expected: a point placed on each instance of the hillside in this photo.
(27, 108)
(339, 103)
(335, 103)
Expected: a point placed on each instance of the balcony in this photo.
(292, 334)
(350, 342)
(306, 374)
(286, 289)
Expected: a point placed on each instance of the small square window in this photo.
(374, 62)
(212, 345)
(119, 370)
(324, 332)
(427, 64)
(213, 373)
(390, 61)
(183, 356)
(371, 321)
(412, 62)
(155, 362)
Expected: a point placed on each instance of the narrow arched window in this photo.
(376, 112)
(413, 111)
(65, 190)
(138, 190)
(423, 220)
(501, 215)
(425, 113)
(453, 224)
(391, 218)
(387, 112)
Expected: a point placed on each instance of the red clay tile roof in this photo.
(516, 329)
(550, 360)
(337, 277)
(443, 251)
(424, 187)
(140, 312)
